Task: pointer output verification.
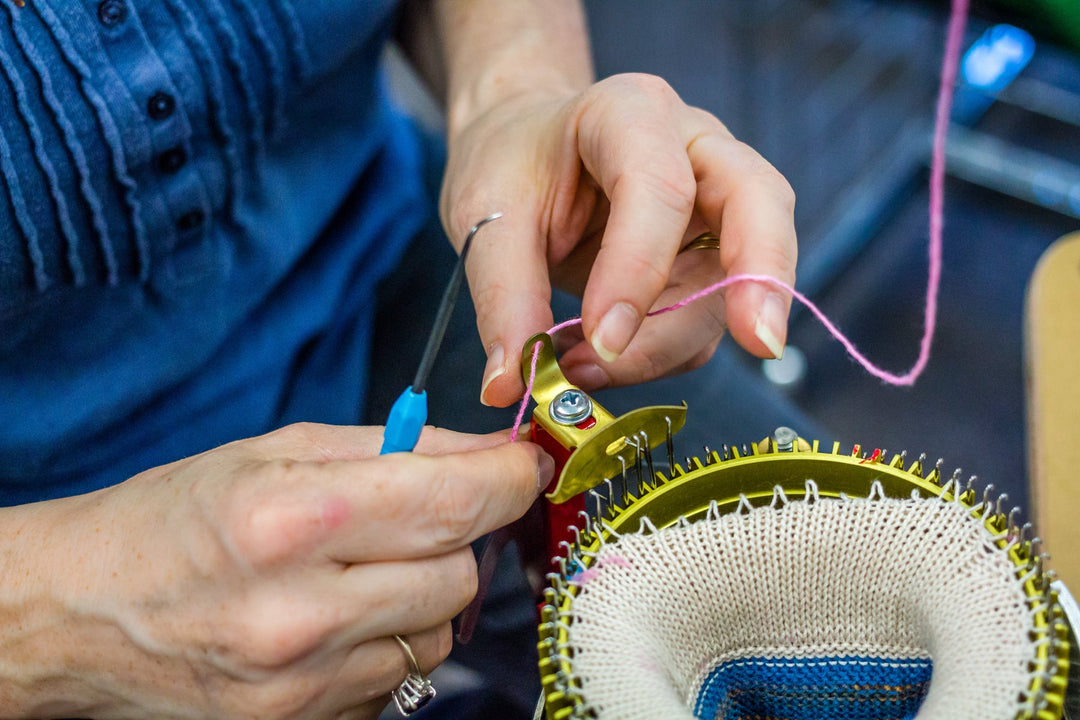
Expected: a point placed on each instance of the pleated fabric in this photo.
(194, 198)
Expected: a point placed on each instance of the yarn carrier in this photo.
(778, 579)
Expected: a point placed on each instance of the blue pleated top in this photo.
(197, 199)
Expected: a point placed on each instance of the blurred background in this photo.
(839, 95)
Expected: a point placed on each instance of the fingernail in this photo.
(492, 370)
(615, 331)
(545, 471)
(771, 324)
(587, 376)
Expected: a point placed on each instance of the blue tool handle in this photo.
(407, 418)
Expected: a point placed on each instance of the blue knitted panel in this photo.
(839, 688)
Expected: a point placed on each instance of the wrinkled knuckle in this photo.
(491, 295)
(682, 192)
(782, 188)
(454, 508)
(278, 472)
(456, 217)
(461, 214)
(258, 651)
(248, 531)
(674, 187)
(772, 181)
(251, 647)
(657, 364)
(709, 122)
(647, 272)
(256, 521)
(299, 431)
(288, 439)
(674, 182)
(646, 366)
(652, 86)
(781, 259)
(465, 579)
(281, 635)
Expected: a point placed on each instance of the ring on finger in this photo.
(704, 241)
(415, 691)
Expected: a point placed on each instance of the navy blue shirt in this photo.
(197, 199)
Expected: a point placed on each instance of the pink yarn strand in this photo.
(949, 66)
(529, 386)
(564, 324)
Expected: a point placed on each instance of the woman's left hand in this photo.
(600, 190)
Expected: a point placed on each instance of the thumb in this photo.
(511, 290)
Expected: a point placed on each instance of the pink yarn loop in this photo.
(955, 36)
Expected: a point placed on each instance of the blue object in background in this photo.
(990, 64)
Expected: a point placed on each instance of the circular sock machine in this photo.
(778, 580)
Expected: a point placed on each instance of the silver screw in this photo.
(784, 438)
(570, 407)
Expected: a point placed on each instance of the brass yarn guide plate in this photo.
(605, 447)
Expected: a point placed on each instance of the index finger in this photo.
(511, 291)
(407, 505)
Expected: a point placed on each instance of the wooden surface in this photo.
(1053, 379)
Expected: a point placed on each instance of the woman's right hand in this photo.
(262, 579)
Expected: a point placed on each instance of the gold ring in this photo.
(415, 691)
(704, 241)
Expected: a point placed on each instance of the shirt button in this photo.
(112, 12)
(170, 161)
(190, 220)
(160, 105)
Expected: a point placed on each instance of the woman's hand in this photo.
(600, 185)
(600, 190)
(263, 579)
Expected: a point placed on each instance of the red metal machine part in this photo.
(557, 518)
(588, 445)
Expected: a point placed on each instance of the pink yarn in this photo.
(955, 36)
(529, 385)
(583, 578)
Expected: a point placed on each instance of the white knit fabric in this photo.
(883, 578)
